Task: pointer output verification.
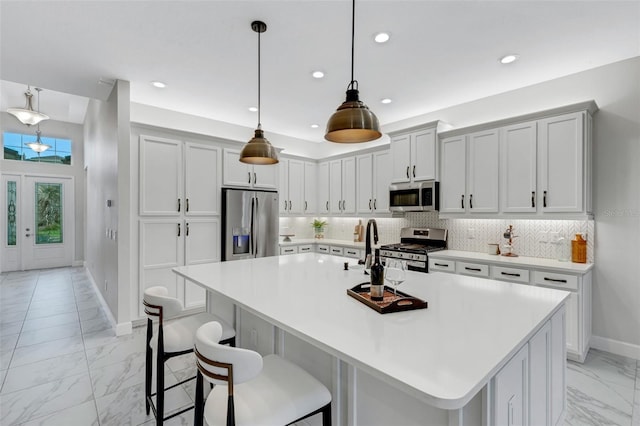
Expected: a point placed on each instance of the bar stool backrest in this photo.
(221, 364)
(158, 303)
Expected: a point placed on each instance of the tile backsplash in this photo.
(535, 238)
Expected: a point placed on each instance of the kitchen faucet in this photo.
(367, 243)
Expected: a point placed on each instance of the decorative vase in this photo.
(319, 232)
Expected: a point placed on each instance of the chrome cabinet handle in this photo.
(555, 280)
(289, 204)
(462, 201)
(533, 198)
(179, 204)
(375, 201)
(178, 230)
(544, 198)
(414, 170)
(510, 274)
(369, 203)
(255, 178)
(407, 172)
(442, 264)
(472, 269)
(470, 201)
(187, 205)
(249, 174)
(186, 231)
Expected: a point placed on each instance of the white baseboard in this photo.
(615, 347)
(77, 263)
(120, 328)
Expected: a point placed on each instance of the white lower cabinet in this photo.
(289, 250)
(165, 244)
(510, 391)
(578, 305)
(305, 248)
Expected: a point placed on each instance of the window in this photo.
(15, 149)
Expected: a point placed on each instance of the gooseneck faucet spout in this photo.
(367, 242)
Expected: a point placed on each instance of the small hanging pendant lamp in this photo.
(258, 150)
(353, 122)
(38, 146)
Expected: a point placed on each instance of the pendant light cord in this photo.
(353, 36)
(259, 107)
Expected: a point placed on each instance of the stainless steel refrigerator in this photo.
(249, 224)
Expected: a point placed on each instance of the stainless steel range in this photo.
(415, 245)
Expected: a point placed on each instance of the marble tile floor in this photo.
(61, 364)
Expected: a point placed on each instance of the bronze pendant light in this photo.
(258, 150)
(353, 122)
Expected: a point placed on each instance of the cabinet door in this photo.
(283, 187)
(161, 249)
(364, 167)
(381, 181)
(296, 187)
(323, 188)
(335, 187)
(202, 245)
(482, 175)
(160, 176)
(510, 387)
(540, 376)
(401, 158)
(561, 162)
(349, 185)
(423, 155)
(558, 398)
(518, 168)
(202, 180)
(452, 186)
(573, 341)
(310, 188)
(266, 176)
(234, 172)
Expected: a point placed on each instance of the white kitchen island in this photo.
(483, 352)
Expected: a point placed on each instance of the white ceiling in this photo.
(441, 53)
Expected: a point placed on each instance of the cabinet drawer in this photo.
(289, 250)
(510, 274)
(552, 279)
(467, 268)
(322, 248)
(351, 252)
(307, 248)
(442, 265)
(338, 251)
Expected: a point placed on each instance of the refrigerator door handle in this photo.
(252, 242)
(257, 209)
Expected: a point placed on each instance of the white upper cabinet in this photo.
(518, 148)
(240, 174)
(373, 180)
(323, 188)
(414, 155)
(342, 188)
(161, 176)
(453, 182)
(532, 165)
(178, 177)
(292, 186)
(482, 172)
(561, 162)
(310, 188)
(202, 180)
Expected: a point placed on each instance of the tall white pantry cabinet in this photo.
(179, 213)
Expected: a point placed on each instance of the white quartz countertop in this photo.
(442, 355)
(523, 261)
(326, 241)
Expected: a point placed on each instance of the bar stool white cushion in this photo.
(267, 391)
(179, 332)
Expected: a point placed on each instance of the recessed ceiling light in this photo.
(314, 126)
(158, 84)
(381, 37)
(509, 58)
(253, 109)
(385, 101)
(317, 74)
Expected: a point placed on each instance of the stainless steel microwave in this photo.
(414, 196)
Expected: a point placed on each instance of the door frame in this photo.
(21, 178)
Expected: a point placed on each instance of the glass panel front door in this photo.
(11, 213)
(49, 213)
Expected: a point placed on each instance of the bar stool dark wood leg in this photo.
(149, 367)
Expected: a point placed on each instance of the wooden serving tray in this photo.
(390, 302)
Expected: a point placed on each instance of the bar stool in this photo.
(253, 390)
(175, 337)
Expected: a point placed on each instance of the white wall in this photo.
(105, 124)
(57, 129)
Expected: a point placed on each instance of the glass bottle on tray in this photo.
(377, 279)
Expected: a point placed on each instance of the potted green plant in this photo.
(318, 227)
